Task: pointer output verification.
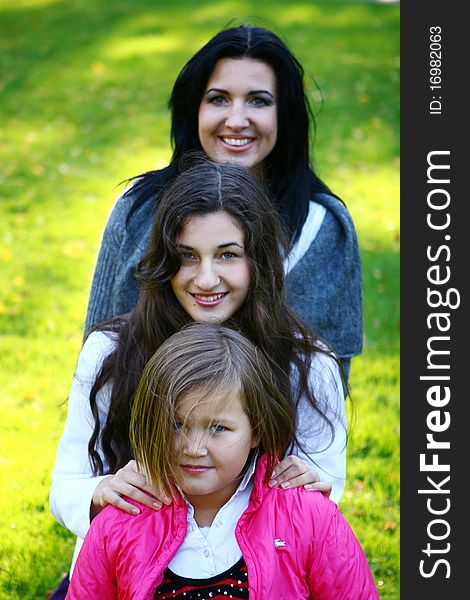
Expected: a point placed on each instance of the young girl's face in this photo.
(212, 442)
(215, 274)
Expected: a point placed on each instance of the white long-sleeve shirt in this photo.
(73, 482)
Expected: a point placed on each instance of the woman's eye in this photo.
(217, 100)
(260, 101)
(228, 255)
(177, 426)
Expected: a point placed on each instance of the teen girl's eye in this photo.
(178, 426)
(228, 255)
(186, 257)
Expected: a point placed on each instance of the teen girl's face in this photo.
(215, 273)
(238, 112)
(212, 441)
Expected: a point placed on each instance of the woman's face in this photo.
(238, 112)
(215, 272)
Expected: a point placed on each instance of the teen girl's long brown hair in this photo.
(264, 318)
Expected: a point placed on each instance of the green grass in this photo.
(83, 92)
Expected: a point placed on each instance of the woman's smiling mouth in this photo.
(237, 144)
(237, 141)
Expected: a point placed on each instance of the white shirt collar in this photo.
(209, 553)
(313, 222)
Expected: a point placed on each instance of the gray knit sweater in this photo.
(324, 287)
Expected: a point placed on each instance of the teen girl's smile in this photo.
(238, 113)
(215, 273)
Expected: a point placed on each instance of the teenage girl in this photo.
(215, 255)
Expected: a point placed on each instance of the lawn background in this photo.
(83, 92)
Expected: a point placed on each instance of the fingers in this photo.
(130, 481)
(118, 487)
(292, 472)
(108, 496)
(321, 486)
(289, 480)
(142, 482)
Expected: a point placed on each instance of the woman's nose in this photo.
(237, 117)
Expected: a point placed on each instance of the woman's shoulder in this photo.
(331, 203)
(137, 199)
(125, 204)
(337, 217)
(327, 242)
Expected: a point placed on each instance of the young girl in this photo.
(215, 255)
(208, 423)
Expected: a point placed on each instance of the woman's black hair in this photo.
(288, 169)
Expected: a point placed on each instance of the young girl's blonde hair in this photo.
(205, 360)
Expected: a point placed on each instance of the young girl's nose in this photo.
(194, 445)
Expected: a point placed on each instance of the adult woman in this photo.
(214, 255)
(241, 99)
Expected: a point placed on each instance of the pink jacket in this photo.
(296, 545)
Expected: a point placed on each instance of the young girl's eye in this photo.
(218, 428)
(177, 426)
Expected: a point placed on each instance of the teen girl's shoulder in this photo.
(325, 368)
(97, 346)
(99, 343)
(325, 377)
